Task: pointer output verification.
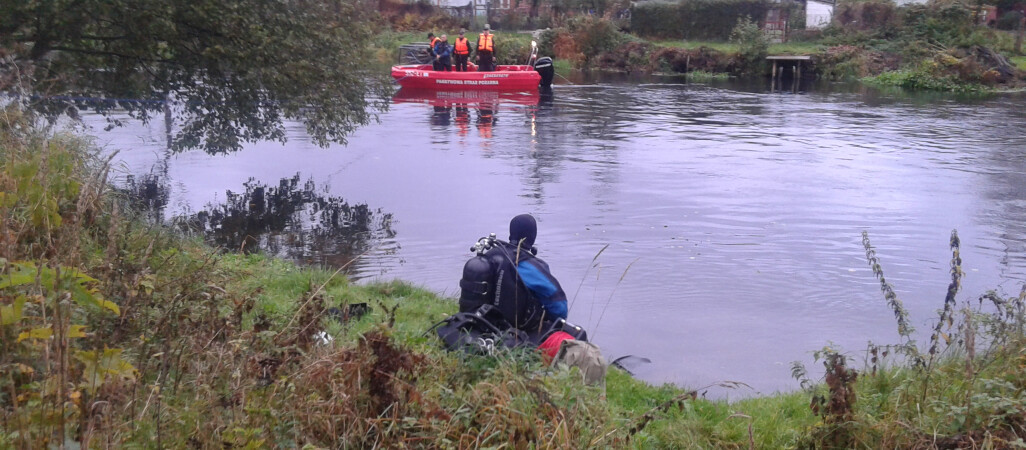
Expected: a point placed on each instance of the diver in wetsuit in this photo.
(524, 288)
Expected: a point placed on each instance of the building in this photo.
(818, 13)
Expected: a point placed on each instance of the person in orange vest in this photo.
(461, 51)
(486, 51)
(432, 40)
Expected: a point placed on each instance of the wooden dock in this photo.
(796, 59)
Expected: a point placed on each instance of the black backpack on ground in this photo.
(480, 331)
(485, 329)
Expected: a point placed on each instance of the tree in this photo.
(235, 69)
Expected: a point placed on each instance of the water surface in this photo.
(732, 215)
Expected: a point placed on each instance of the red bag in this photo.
(550, 347)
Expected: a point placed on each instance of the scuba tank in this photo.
(477, 285)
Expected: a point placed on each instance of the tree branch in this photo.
(109, 53)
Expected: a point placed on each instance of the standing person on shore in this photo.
(461, 50)
(432, 40)
(486, 51)
(443, 54)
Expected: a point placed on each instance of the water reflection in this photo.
(484, 103)
(295, 221)
(148, 193)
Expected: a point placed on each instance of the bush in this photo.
(753, 47)
(694, 19)
(510, 48)
(922, 78)
(594, 36)
(583, 39)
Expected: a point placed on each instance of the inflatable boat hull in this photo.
(505, 78)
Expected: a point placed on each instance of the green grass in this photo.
(918, 79)
(702, 76)
(791, 48)
(1019, 61)
(795, 48)
(725, 47)
(562, 66)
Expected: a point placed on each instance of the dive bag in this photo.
(483, 330)
(480, 331)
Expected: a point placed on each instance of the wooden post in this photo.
(774, 68)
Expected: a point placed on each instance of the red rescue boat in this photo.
(504, 78)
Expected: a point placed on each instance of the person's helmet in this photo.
(523, 230)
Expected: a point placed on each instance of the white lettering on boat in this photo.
(468, 82)
(496, 75)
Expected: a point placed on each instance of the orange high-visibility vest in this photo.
(461, 46)
(434, 40)
(485, 43)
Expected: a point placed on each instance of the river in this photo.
(731, 216)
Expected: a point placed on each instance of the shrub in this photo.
(753, 47)
(510, 49)
(583, 39)
(921, 78)
(694, 19)
(594, 35)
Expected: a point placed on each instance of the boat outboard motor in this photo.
(547, 71)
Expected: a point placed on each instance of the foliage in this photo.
(51, 362)
(967, 390)
(233, 70)
(417, 17)
(753, 47)
(583, 39)
(694, 19)
(919, 79)
(879, 18)
(703, 76)
(510, 48)
(837, 407)
(594, 35)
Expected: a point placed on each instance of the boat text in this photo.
(468, 82)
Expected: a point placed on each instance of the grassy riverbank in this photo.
(118, 332)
